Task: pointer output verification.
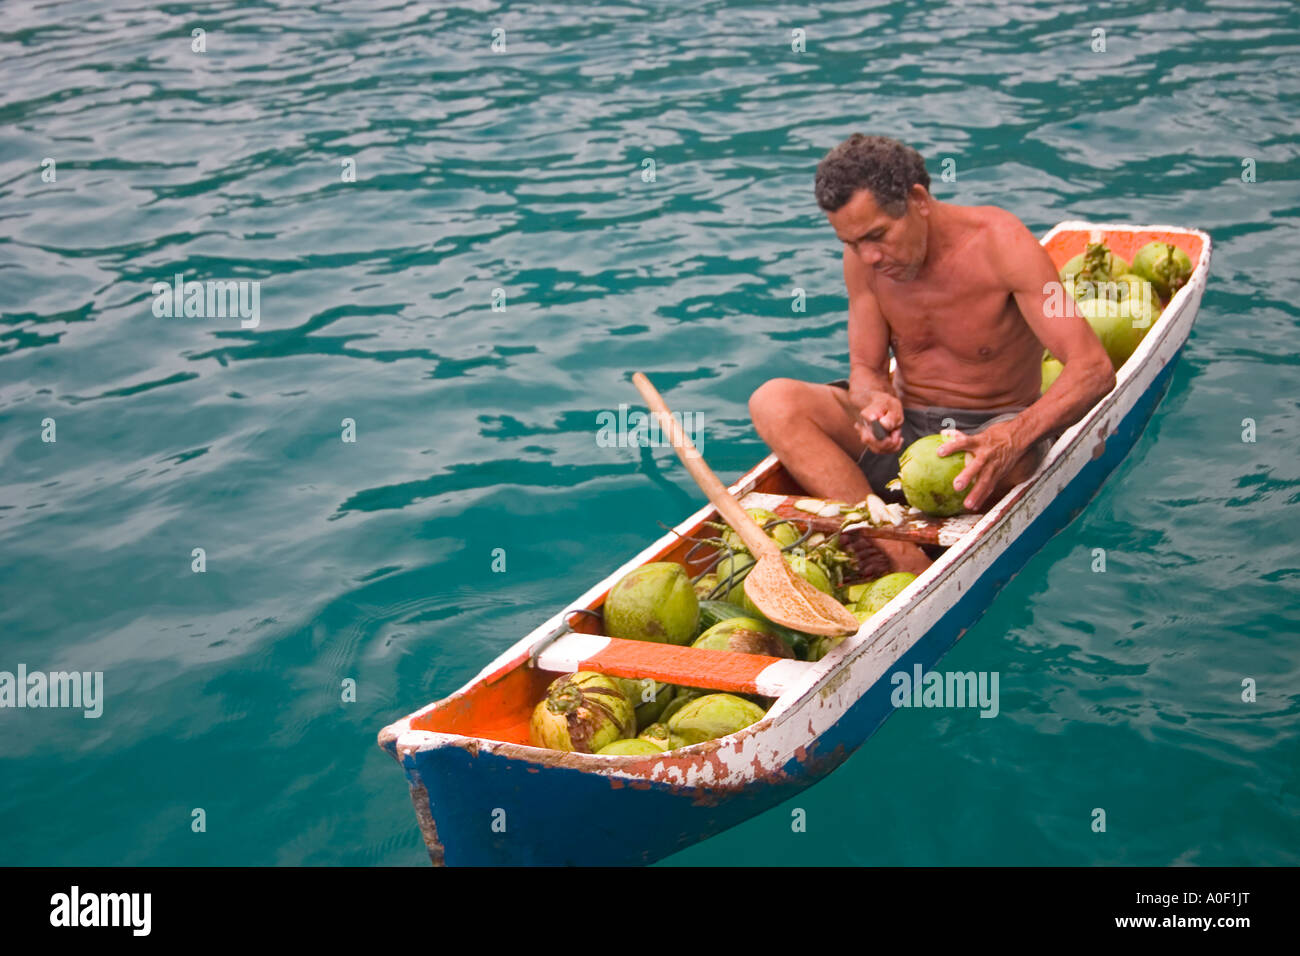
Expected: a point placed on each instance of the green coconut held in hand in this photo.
(1164, 265)
(655, 602)
(927, 479)
(582, 712)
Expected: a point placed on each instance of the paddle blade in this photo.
(787, 599)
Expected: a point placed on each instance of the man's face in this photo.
(894, 248)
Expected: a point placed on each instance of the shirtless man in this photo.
(960, 294)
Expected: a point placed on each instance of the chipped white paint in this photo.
(814, 699)
(571, 650)
(777, 679)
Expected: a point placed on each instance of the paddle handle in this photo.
(758, 543)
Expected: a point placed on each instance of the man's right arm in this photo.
(870, 388)
(868, 333)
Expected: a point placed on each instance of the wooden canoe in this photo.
(484, 795)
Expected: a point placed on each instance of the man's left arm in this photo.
(1086, 376)
(1053, 315)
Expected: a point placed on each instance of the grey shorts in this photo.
(928, 420)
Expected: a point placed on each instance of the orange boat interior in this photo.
(499, 706)
(1067, 244)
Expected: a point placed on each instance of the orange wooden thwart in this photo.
(687, 666)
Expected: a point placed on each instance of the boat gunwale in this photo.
(403, 739)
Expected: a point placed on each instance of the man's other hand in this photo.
(885, 408)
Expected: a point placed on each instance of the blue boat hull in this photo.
(494, 810)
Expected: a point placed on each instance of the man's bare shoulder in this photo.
(996, 222)
(1006, 241)
(988, 241)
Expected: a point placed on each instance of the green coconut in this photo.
(1144, 312)
(733, 568)
(705, 585)
(1164, 265)
(855, 591)
(1052, 368)
(1080, 289)
(713, 716)
(1132, 286)
(819, 647)
(1116, 288)
(883, 590)
(582, 712)
(1140, 298)
(661, 737)
(655, 602)
(1119, 325)
(648, 697)
(927, 479)
(784, 533)
(812, 572)
(1095, 264)
(656, 733)
(681, 697)
(744, 635)
(630, 747)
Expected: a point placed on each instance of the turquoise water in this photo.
(475, 429)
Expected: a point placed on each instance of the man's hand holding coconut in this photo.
(990, 455)
(961, 295)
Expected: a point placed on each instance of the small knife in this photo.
(877, 429)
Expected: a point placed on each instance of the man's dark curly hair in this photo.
(885, 166)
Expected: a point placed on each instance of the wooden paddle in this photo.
(775, 589)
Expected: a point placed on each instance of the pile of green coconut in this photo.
(1120, 301)
(587, 712)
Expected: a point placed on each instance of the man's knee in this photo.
(774, 402)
